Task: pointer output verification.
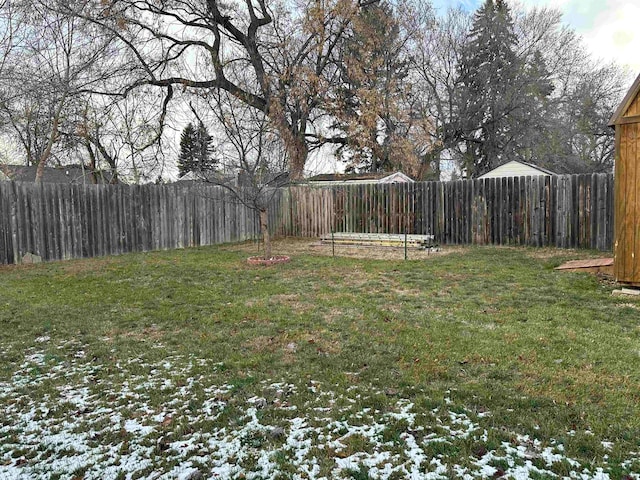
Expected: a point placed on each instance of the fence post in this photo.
(405, 243)
(333, 244)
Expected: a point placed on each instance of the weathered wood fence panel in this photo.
(74, 221)
(567, 211)
(58, 221)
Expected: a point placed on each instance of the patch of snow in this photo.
(110, 423)
(132, 426)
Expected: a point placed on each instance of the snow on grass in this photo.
(70, 418)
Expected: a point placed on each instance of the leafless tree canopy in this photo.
(387, 84)
(276, 57)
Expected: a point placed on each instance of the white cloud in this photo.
(615, 36)
(609, 27)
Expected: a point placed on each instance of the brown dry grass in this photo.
(548, 253)
(293, 301)
(297, 246)
(324, 342)
(146, 334)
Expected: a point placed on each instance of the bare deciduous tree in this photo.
(435, 58)
(251, 157)
(57, 58)
(286, 51)
(121, 137)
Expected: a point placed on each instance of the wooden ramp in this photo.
(594, 265)
(378, 239)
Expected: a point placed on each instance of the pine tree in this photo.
(489, 72)
(534, 129)
(196, 150)
(503, 102)
(188, 147)
(371, 104)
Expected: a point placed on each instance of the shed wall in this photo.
(627, 202)
(634, 108)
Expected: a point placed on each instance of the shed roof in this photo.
(618, 116)
(509, 173)
(367, 177)
(342, 177)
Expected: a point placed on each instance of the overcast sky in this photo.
(609, 27)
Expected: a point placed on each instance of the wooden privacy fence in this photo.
(59, 221)
(567, 211)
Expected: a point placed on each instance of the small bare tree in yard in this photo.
(252, 159)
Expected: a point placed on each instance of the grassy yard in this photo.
(481, 363)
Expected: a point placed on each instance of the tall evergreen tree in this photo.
(204, 154)
(373, 102)
(196, 149)
(503, 102)
(489, 72)
(531, 121)
(186, 158)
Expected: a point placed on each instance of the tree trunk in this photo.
(293, 136)
(430, 166)
(47, 151)
(52, 139)
(264, 228)
(298, 151)
(108, 158)
(92, 163)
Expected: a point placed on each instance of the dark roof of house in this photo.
(626, 103)
(271, 179)
(343, 177)
(65, 174)
(207, 177)
(241, 179)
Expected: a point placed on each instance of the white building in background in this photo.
(358, 178)
(514, 168)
